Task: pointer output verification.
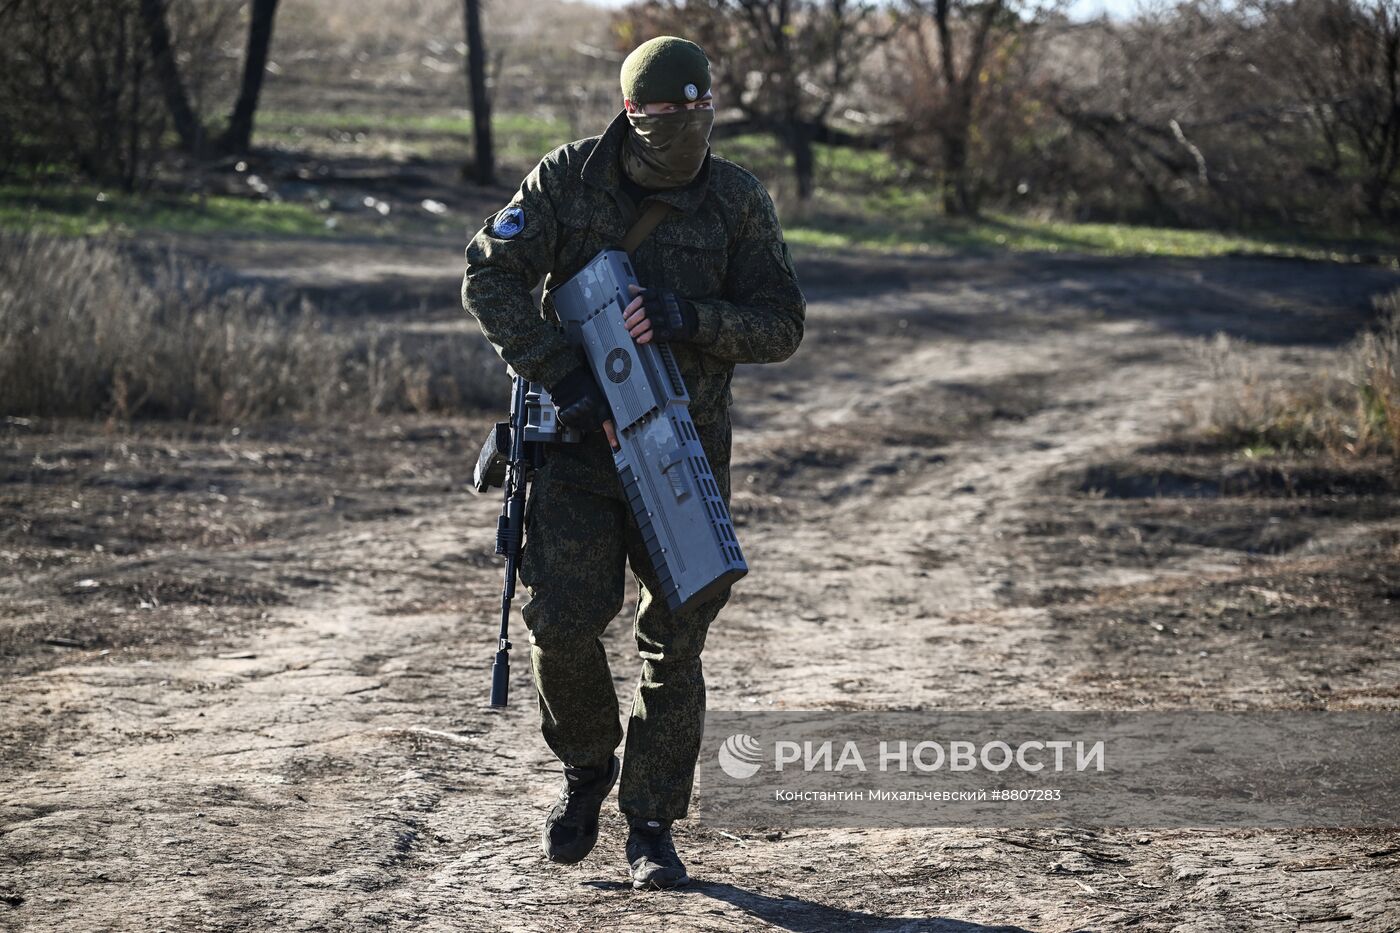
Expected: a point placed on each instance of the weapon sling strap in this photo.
(655, 213)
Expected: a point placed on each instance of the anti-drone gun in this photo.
(666, 477)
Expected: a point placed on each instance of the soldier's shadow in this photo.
(801, 916)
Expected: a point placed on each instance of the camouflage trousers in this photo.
(579, 537)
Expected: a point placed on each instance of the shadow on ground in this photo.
(803, 916)
(1284, 302)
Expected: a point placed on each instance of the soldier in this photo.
(719, 288)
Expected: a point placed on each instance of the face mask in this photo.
(666, 150)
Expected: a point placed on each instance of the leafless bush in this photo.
(1276, 112)
(963, 78)
(84, 332)
(78, 86)
(1353, 411)
(1338, 62)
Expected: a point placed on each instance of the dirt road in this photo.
(245, 673)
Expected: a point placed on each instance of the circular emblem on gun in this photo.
(619, 365)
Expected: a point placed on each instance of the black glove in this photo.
(582, 405)
(672, 317)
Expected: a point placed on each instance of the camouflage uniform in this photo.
(721, 247)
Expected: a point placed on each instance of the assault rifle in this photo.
(508, 458)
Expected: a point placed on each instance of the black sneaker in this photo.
(571, 828)
(652, 855)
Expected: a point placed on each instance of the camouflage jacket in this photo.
(721, 247)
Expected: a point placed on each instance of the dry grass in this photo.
(85, 331)
(550, 60)
(1352, 411)
(1378, 361)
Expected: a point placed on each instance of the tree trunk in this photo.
(1376, 189)
(797, 138)
(187, 124)
(134, 120)
(485, 167)
(239, 135)
(958, 197)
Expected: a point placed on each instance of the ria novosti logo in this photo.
(740, 756)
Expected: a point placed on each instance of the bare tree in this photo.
(238, 134)
(960, 85)
(1340, 59)
(949, 57)
(1274, 111)
(1181, 115)
(238, 137)
(188, 126)
(484, 166)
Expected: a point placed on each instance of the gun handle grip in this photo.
(500, 680)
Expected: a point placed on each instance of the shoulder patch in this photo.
(509, 222)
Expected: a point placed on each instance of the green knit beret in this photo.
(666, 68)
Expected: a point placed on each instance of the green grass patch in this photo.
(1000, 232)
(865, 199)
(457, 122)
(81, 210)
